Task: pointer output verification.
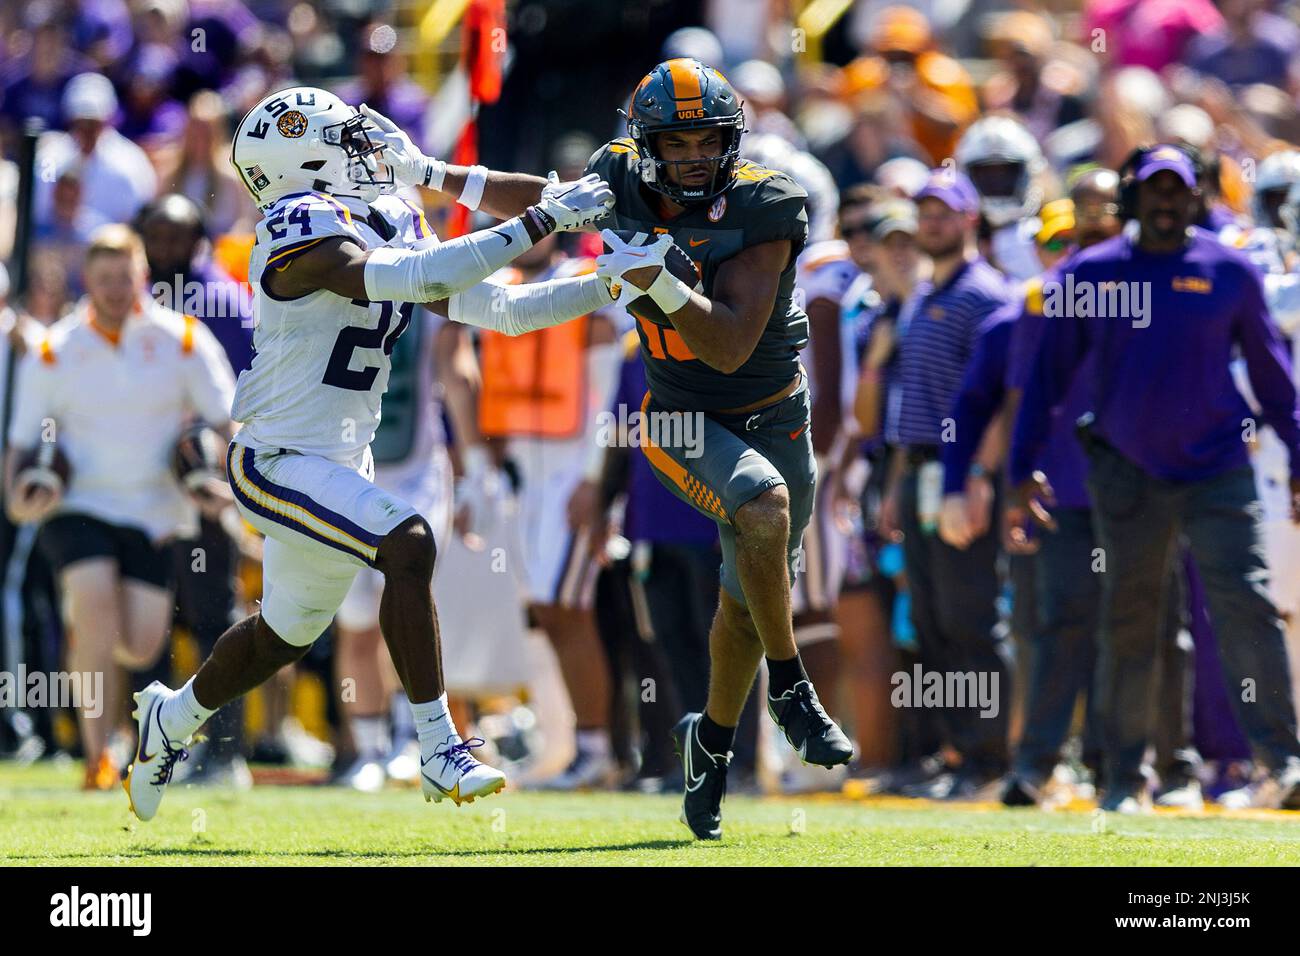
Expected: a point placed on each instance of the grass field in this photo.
(45, 821)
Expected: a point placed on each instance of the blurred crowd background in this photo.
(857, 99)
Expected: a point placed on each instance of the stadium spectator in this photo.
(33, 83)
(1166, 458)
(1041, 99)
(201, 169)
(383, 85)
(1251, 45)
(116, 175)
(112, 389)
(1148, 33)
(66, 233)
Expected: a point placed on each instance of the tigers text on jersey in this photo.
(321, 362)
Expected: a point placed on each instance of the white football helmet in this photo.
(1274, 177)
(1003, 161)
(306, 139)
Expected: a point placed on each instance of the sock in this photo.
(433, 724)
(783, 675)
(399, 718)
(181, 714)
(371, 737)
(593, 742)
(714, 737)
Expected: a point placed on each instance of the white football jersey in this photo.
(321, 362)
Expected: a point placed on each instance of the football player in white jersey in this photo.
(337, 269)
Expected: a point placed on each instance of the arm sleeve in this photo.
(442, 271)
(516, 309)
(979, 399)
(209, 381)
(1268, 366)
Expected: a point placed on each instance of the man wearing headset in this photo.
(1161, 313)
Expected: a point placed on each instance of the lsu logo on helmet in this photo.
(292, 124)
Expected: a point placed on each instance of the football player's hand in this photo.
(33, 501)
(410, 166)
(576, 204)
(628, 268)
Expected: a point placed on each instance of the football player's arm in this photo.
(341, 266)
(504, 195)
(724, 330)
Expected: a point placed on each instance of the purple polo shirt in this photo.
(1162, 393)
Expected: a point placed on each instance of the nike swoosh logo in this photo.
(798, 431)
(435, 783)
(692, 781)
(697, 242)
(143, 755)
(504, 235)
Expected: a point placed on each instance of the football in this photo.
(679, 264)
(197, 456)
(45, 466)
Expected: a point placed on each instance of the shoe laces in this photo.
(170, 757)
(458, 755)
(805, 699)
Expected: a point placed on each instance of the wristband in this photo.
(472, 194)
(435, 173)
(668, 292)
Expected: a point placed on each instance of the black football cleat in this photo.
(706, 780)
(815, 737)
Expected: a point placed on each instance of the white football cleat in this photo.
(155, 755)
(453, 772)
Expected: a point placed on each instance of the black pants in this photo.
(1139, 519)
(954, 610)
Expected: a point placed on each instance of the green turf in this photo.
(44, 820)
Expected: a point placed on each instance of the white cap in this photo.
(89, 96)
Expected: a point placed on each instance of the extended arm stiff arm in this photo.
(441, 271)
(516, 309)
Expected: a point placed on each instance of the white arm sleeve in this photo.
(439, 272)
(516, 309)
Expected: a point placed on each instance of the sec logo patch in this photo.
(292, 124)
(718, 209)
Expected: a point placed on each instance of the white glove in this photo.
(409, 165)
(624, 257)
(573, 205)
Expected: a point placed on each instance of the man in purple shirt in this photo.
(1160, 316)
